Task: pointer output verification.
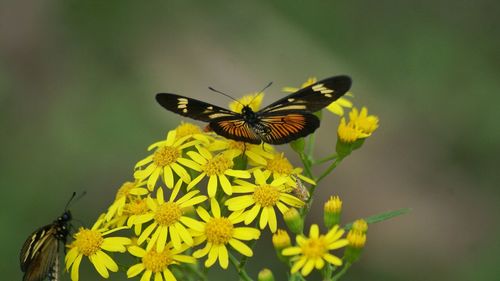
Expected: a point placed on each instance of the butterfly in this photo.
(285, 120)
(40, 253)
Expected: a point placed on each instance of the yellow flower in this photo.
(165, 161)
(216, 168)
(132, 210)
(362, 121)
(193, 131)
(348, 133)
(157, 262)
(279, 166)
(168, 218)
(123, 196)
(263, 198)
(256, 153)
(92, 244)
(253, 101)
(336, 107)
(218, 232)
(314, 251)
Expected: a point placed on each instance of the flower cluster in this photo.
(200, 197)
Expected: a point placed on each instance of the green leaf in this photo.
(381, 217)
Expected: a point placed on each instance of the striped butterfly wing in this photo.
(236, 129)
(194, 108)
(312, 98)
(283, 127)
(39, 254)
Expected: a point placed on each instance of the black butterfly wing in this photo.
(39, 254)
(284, 127)
(314, 97)
(193, 108)
(236, 129)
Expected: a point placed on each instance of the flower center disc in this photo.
(88, 241)
(217, 165)
(155, 261)
(219, 231)
(266, 195)
(280, 165)
(136, 207)
(314, 248)
(165, 156)
(186, 129)
(168, 213)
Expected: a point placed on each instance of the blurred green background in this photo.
(77, 110)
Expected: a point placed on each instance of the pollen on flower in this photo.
(167, 214)
(315, 247)
(186, 129)
(219, 231)
(266, 195)
(279, 164)
(136, 207)
(217, 165)
(157, 261)
(124, 189)
(88, 241)
(166, 155)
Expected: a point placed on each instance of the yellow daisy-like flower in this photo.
(216, 168)
(165, 161)
(336, 107)
(348, 133)
(314, 251)
(168, 218)
(132, 210)
(362, 121)
(124, 194)
(253, 101)
(256, 153)
(279, 166)
(92, 243)
(157, 262)
(218, 232)
(193, 131)
(264, 198)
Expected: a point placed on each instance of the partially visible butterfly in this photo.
(40, 253)
(283, 121)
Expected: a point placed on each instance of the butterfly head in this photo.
(65, 217)
(249, 115)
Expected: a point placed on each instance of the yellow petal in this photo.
(241, 247)
(135, 270)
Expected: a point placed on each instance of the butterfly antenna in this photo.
(224, 94)
(261, 91)
(73, 197)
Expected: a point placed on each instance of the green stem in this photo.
(244, 260)
(326, 159)
(341, 272)
(195, 270)
(241, 271)
(310, 145)
(328, 170)
(307, 165)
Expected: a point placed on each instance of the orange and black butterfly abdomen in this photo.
(285, 120)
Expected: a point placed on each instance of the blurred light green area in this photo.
(77, 110)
